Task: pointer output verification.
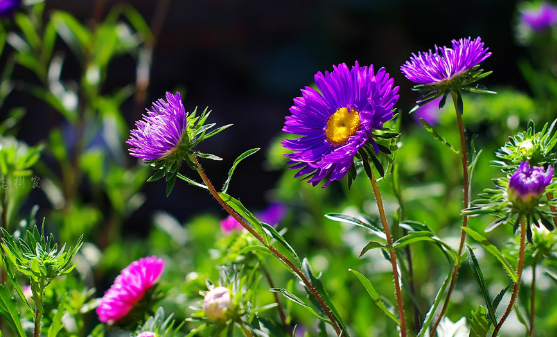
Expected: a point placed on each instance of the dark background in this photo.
(247, 60)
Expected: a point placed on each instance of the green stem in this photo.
(518, 275)
(273, 250)
(392, 254)
(466, 186)
(533, 298)
(38, 298)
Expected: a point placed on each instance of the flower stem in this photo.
(392, 254)
(38, 298)
(518, 275)
(549, 196)
(273, 250)
(533, 298)
(466, 186)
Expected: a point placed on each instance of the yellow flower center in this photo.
(341, 125)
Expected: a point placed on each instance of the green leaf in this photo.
(437, 137)
(413, 237)
(75, 35)
(479, 325)
(236, 162)
(308, 272)
(493, 251)
(374, 295)
(372, 245)
(239, 208)
(8, 311)
(298, 301)
(340, 217)
(285, 246)
(429, 316)
(480, 280)
(28, 30)
(56, 325)
(190, 181)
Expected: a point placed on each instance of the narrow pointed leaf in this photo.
(236, 162)
(493, 251)
(480, 280)
(298, 301)
(437, 137)
(374, 295)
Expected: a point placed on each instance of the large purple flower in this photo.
(129, 288)
(445, 64)
(527, 184)
(337, 119)
(541, 18)
(161, 131)
(8, 8)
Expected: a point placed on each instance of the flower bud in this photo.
(217, 304)
(527, 184)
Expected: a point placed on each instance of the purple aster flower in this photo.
(445, 64)
(337, 119)
(161, 131)
(429, 112)
(129, 288)
(8, 8)
(527, 184)
(541, 18)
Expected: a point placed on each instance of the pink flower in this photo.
(129, 288)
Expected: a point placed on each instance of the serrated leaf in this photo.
(374, 295)
(437, 137)
(479, 325)
(236, 162)
(493, 251)
(480, 280)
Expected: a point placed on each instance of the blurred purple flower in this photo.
(337, 119)
(8, 8)
(445, 64)
(161, 130)
(541, 18)
(272, 215)
(147, 334)
(129, 287)
(429, 112)
(527, 184)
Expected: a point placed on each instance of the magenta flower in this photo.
(337, 120)
(161, 131)
(541, 18)
(229, 224)
(445, 63)
(129, 288)
(527, 184)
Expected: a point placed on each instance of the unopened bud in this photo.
(217, 304)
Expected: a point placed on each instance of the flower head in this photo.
(161, 131)
(337, 119)
(217, 304)
(540, 18)
(445, 63)
(8, 8)
(129, 288)
(527, 184)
